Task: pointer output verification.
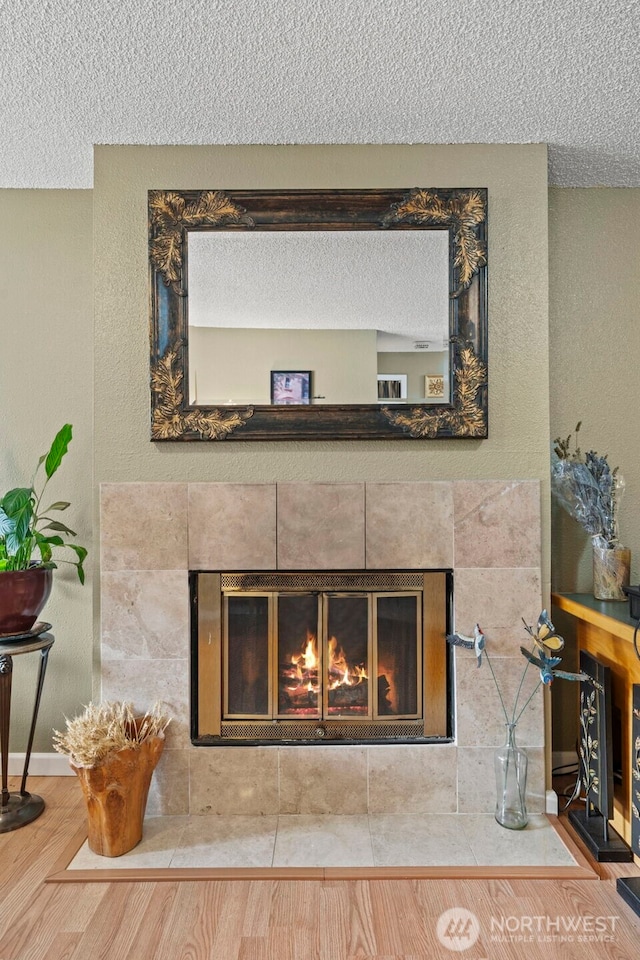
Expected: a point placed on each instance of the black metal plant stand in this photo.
(18, 809)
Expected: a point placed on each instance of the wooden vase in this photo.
(116, 793)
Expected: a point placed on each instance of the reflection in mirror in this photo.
(349, 305)
(380, 296)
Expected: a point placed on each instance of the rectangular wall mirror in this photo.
(373, 302)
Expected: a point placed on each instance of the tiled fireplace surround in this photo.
(487, 531)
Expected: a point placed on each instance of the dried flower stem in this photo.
(107, 728)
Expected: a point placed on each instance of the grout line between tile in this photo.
(275, 840)
(373, 850)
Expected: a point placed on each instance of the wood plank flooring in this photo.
(329, 919)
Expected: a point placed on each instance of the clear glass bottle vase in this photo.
(511, 782)
(611, 567)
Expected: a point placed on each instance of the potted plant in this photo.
(28, 538)
(114, 753)
(590, 491)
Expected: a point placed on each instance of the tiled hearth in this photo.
(305, 841)
(487, 532)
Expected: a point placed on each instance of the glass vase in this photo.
(511, 783)
(610, 572)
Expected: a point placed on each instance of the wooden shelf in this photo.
(610, 615)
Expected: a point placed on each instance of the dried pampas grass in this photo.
(106, 728)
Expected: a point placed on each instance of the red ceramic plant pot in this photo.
(23, 594)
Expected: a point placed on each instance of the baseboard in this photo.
(551, 803)
(40, 765)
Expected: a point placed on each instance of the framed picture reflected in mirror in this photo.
(290, 387)
(392, 386)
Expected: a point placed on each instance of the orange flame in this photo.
(308, 659)
(343, 673)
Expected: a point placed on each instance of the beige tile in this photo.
(318, 780)
(409, 525)
(323, 841)
(477, 784)
(143, 526)
(142, 682)
(320, 526)
(412, 779)
(145, 615)
(169, 790)
(413, 840)
(497, 523)
(498, 599)
(538, 845)
(234, 781)
(232, 526)
(160, 837)
(227, 842)
(476, 780)
(480, 720)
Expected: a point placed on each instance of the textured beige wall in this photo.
(46, 381)
(594, 299)
(516, 177)
(594, 306)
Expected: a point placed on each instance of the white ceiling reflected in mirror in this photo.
(374, 300)
(334, 302)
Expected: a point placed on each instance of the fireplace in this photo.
(345, 657)
(484, 533)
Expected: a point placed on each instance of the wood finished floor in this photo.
(273, 919)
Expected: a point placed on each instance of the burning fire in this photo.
(307, 661)
(301, 679)
(341, 673)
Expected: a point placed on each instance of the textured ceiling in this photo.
(78, 72)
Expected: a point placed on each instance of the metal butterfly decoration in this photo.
(544, 636)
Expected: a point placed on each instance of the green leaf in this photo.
(45, 550)
(56, 525)
(81, 554)
(12, 543)
(15, 500)
(58, 505)
(58, 450)
(18, 505)
(80, 551)
(7, 524)
(54, 541)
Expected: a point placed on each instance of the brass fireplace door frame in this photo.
(209, 724)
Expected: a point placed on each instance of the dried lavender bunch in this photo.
(587, 488)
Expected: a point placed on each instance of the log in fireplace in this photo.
(320, 657)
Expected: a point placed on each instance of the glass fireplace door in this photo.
(322, 656)
(347, 633)
(298, 660)
(247, 655)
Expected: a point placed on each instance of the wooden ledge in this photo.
(611, 616)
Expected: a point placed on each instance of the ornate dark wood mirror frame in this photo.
(463, 213)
